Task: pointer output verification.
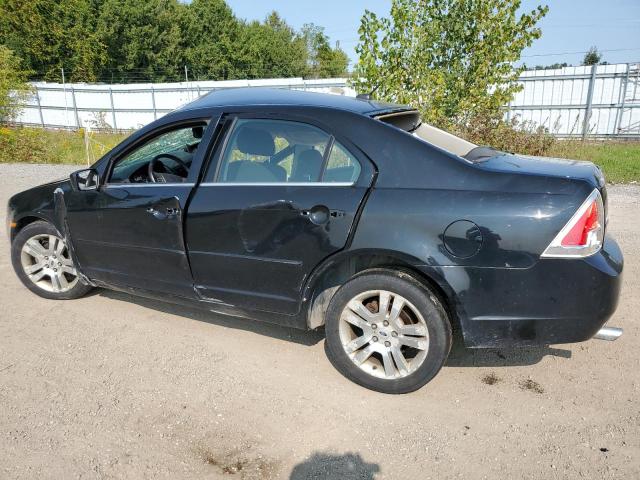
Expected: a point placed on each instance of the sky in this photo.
(570, 26)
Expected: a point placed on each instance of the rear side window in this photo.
(279, 151)
(342, 166)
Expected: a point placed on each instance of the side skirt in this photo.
(292, 321)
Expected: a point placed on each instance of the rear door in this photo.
(280, 196)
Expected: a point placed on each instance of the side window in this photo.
(273, 151)
(342, 166)
(173, 150)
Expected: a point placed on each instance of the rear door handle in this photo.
(318, 214)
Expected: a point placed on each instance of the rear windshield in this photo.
(410, 122)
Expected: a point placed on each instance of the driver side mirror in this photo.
(82, 180)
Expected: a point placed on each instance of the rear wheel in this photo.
(387, 332)
(41, 260)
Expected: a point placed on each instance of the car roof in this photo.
(254, 96)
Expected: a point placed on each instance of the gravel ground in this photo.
(114, 386)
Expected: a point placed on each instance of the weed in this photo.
(491, 379)
(531, 385)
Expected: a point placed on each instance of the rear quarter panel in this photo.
(421, 191)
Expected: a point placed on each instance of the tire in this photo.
(41, 249)
(401, 355)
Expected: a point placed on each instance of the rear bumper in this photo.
(555, 301)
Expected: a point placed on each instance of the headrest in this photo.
(310, 157)
(197, 132)
(307, 166)
(255, 141)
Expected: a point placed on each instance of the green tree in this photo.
(143, 40)
(13, 84)
(270, 49)
(553, 66)
(592, 57)
(49, 35)
(323, 61)
(452, 59)
(153, 40)
(210, 36)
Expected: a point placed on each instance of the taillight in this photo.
(583, 234)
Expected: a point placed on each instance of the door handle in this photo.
(156, 213)
(318, 214)
(172, 211)
(169, 212)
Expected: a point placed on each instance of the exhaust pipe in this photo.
(608, 333)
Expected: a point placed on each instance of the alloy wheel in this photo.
(46, 262)
(384, 334)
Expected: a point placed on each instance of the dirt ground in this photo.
(113, 386)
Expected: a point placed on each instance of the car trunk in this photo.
(490, 159)
(549, 167)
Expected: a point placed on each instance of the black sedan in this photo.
(311, 210)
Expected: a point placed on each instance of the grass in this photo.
(620, 161)
(69, 147)
(35, 145)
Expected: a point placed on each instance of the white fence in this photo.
(124, 107)
(602, 100)
(573, 101)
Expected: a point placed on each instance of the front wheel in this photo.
(387, 332)
(41, 260)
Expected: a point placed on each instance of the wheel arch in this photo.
(27, 220)
(338, 269)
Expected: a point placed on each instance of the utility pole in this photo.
(186, 74)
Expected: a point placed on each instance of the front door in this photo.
(129, 232)
(280, 197)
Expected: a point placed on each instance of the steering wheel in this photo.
(159, 177)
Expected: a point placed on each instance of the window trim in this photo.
(327, 153)
(273, 184)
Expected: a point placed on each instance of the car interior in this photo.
(258, 151)
(275, 151)
(166, 158)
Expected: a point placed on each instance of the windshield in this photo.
(409, 121)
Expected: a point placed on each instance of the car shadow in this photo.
(460, 356)
(288, 334)
(349, 466)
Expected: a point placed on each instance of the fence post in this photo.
(113, 109)
(587, 113)
(75, 106)
(153, 102)
(39, 106)
(621, 101)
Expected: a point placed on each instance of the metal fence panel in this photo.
(601, 101)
